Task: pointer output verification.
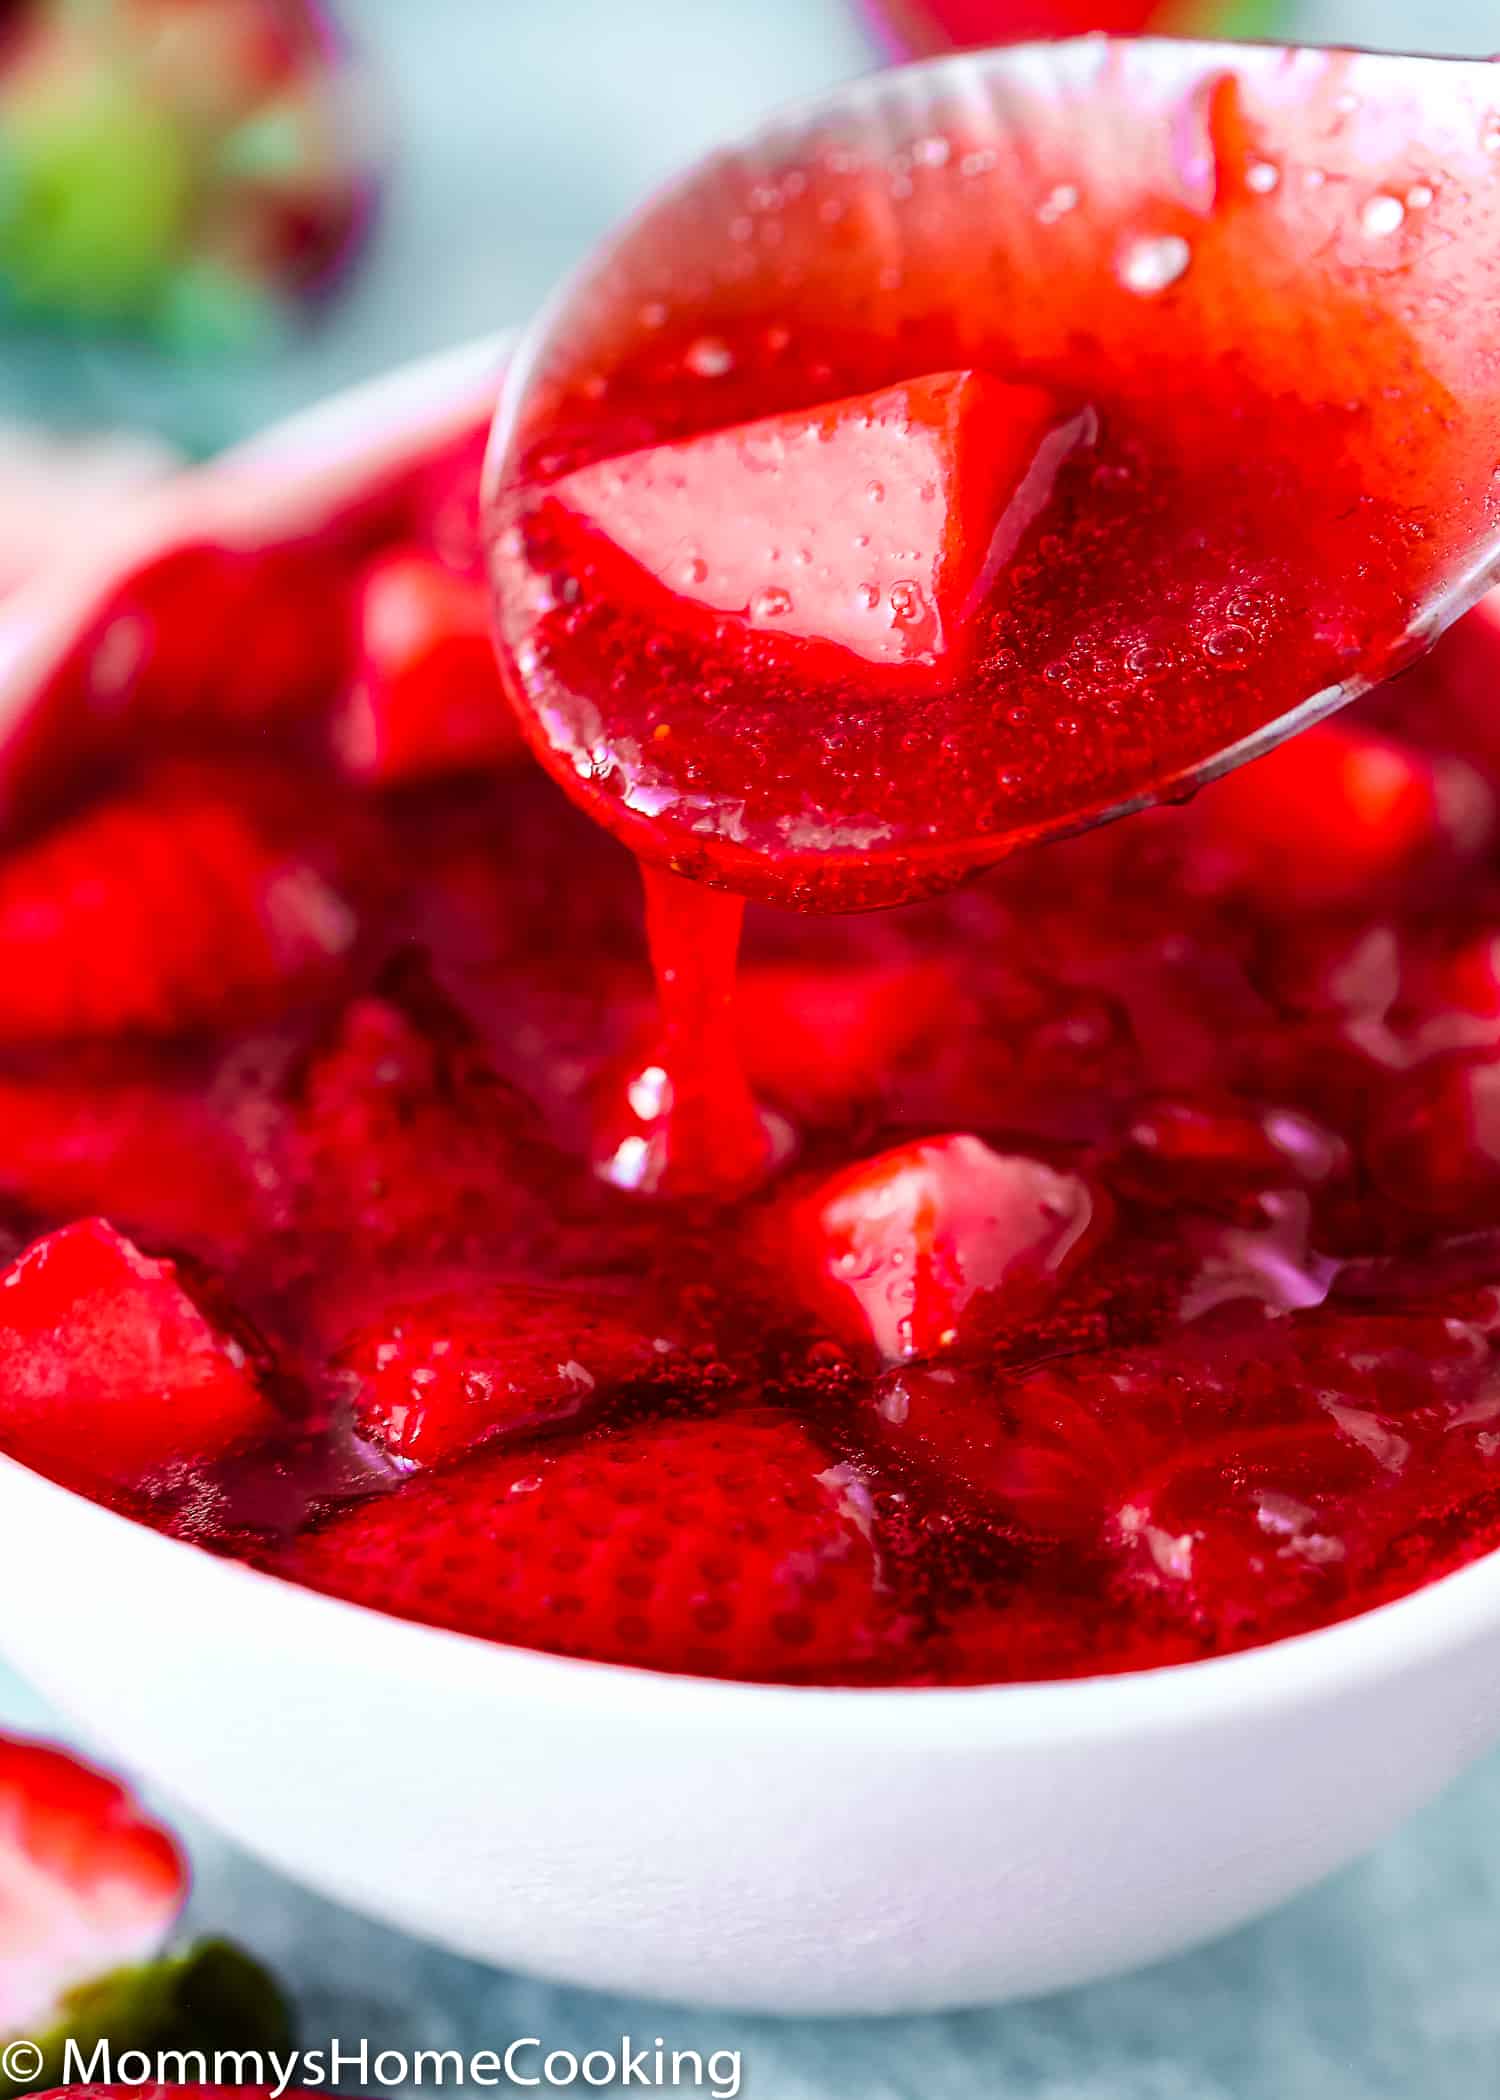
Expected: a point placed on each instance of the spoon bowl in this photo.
(1255, 280)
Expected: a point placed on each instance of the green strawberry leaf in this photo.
(212, 1997)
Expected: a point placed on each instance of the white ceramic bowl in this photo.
(784, 1849)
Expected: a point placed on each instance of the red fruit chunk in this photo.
(1029, 1443)
(443, 508)
(731, 1547)
(87, 1884)
(1249, 1533)
(1435, 1145)
(936, 1245)
(1339, 812)
(862, 526)
(444, 1371)
(164, 907)
(409, 1139)
(1447, 700)
(427, 698)
(212, 640)
(109, 1370)
(1252, 1482)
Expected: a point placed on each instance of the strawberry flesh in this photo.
(441, 1372)
(936, 1245)
(87, 1884)
(733, 1548)
(427, 697)
(172, 905)
(1342, 812)
(110, 1371)
(156, 1159)
(857, 529)
(405, 1138)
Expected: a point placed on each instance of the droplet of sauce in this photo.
(1154, 263)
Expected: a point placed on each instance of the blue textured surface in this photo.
(527, 129)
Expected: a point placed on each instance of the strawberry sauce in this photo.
(1103, 1266)
(1088, 1261)
(882, 503)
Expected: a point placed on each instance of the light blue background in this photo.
(526, 126)
(523, 129)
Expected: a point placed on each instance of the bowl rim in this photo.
(288, 478)
(1324, 1664)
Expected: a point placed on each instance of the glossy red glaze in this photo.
(1245, 272)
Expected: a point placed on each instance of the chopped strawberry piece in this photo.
(211, 640)
(427, 697)
(109, 1370)
(87, 1884)
(441, 1372)
(861, 526)
(1187, 1142)
(406, 1137)
(1241, 1532)
(1339, 812)
(1037, 1445)
(1237, 1478)
(732, 1547)
(169, 906)
(936, 1244)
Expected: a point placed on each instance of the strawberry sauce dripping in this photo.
(704, 1133)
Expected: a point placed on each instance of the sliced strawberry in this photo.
(109, 1371)
(935, 1245)
(861, 526)
(730, 1548)
(438, 1373)
(87, 1883)
(1340, 812)
(173, 905)
(427, 697)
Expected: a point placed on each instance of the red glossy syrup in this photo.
(1122, 1289)
(879, 508)
(692, 1122)
(845, 657)
(1171, 582)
